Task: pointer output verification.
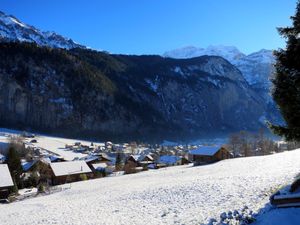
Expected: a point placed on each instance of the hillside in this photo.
(51, 84)
(177, 195)
(83, 92)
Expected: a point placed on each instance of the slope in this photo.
(178, 195)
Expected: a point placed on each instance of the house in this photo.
(35, 170)
(5, 181)
(282, 145)
(208, 154)
(133, 160)
(27, 135)
(147, 158)
(66, 172)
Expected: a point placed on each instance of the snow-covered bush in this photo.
(242, 217)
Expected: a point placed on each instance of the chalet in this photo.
(147, 158)
(282, 145)
(133, 159)
(5, 181)
(66, 172)
(35, 168)
(208, 154)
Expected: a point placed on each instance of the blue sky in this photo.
(155, 26)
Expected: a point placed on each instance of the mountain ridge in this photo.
(12, 29)
(233, 55)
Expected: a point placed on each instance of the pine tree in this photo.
(286, 91)
(118, 164)
(14, 165)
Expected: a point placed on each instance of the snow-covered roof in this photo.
(69, 168)
(168, 159)
(205, 150)
(105, 156)
(135, 157)
(5, 177)
(149, 156)
(54, 157)
(46, 160)
(99, 166)
(141, 157)
(90, 158)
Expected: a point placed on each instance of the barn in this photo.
(208, 154)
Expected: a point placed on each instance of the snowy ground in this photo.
(176, 195)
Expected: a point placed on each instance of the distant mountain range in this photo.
(77, 91)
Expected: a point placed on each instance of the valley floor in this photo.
(175, 195)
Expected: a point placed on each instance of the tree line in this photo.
(246, 144)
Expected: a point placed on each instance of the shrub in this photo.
(42, 188)
(83, 177)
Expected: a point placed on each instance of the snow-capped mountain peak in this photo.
(11, 20)
(256, 67)
(230, 53)
(12, 29)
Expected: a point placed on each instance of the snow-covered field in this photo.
(176, 195)
(51, 144)
(57, 145)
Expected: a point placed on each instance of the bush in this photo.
(41, 188)
(83, 177)
(100, 173)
